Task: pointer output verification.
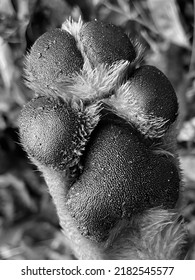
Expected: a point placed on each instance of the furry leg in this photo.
(157, 234)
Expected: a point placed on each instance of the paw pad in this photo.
(98, 111)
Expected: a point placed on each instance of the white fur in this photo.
(156, 234)
(73, 27)
(126, 106)
(98, 83)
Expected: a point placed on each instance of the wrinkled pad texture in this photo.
(121, 177)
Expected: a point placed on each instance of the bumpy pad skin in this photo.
(106, 43)
(49, 131)
(153, 93)
(53, 56)
(121, 177)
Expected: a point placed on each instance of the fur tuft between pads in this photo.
(108, 84)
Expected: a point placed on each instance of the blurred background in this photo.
(29, 227)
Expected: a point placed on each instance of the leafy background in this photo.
(29, 227)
